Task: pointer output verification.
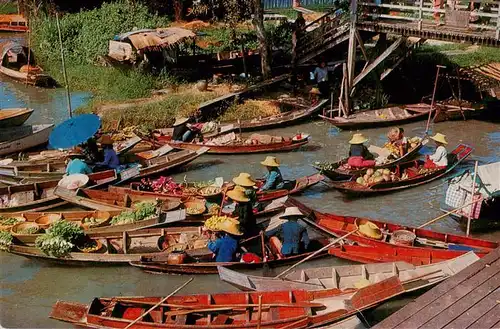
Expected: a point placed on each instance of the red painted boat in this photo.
(413, 169)
(13, 23)
(425, 240)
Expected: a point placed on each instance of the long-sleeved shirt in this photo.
(292, 233)
(273, 179)
(246, 217)
(77, 166)
(321, 74)
(224, 248)
(440, 157)
(359, 150)
(110, 159)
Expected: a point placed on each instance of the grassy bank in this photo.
(462, 54)
(8, 8)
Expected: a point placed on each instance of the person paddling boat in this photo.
(273, 180)
(359, 156)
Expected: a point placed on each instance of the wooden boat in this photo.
(336, 171)
(165, 163)
(14, 64)
(285, 144)
(17, 139)
(21, 169)
(14, 117)
(126, 145)
(13, 23)
(390, 116)
(41, 196)
(348, 276)
(414, 170)
(444, 244)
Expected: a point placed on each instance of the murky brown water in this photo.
(29, 288)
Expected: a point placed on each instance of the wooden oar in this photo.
(315, 253)
(158, 304)
(447, 213)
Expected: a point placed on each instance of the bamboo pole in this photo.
(315, 253)
(472, 199)
(446, 214)
(158, 304)
(64, 66)
(433, 97)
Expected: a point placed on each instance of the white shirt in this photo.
(440, 156)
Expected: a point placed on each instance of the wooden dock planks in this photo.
(470, 299)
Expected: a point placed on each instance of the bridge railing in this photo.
(421, 11)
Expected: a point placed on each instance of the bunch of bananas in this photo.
(213, 222)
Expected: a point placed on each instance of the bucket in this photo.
(403, 238)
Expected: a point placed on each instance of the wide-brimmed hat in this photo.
(358, 139)
(106, 140)
(440, 138)
(238, 194)
(73, 182)
(291, 212)
(315, 91)
(230, 227)
(244, 179)
(393, 134)
(370, 230)
(270, 162)
(179, 121)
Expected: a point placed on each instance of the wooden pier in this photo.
(470, 299)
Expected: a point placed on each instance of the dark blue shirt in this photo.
(110, 159)
(292, 233)
(224, 248)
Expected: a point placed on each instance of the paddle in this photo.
(158, 304)
(315, 253)
(447, 213)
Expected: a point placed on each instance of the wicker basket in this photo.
(8, 227)
(45, 221)
(209, 191)
(195, 207)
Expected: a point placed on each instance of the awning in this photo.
(161, 37)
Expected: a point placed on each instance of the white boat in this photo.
(17, 139)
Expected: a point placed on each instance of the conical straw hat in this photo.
(370, 230)
(291, 212)
(440, 138)
(230, 227)
(238, 194)
(180, 121)
(244, 179)
(270, 162)
(358, 139)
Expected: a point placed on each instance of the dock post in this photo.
(64, 66)
(471, 212)
(351, 52)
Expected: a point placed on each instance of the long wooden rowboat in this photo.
(14, 117)
(336, 171)
(165, 163)
(348, 276)
(17, 139)
(390, 116)
(41, 196)
(413, 169)
(288, 144)
(21, 169)
(297, 308)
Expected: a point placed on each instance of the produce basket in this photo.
(86, 248)
(45, 221)
(195, 207)
(403, 238)
(7, 223)
(169, 205)
(209, 191)
(24, 237)
(102, 218)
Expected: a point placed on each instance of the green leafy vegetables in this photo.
(9, 221)
(5, 240)
(142, 211)
(59, 239)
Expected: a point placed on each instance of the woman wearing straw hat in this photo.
(182, 131)
(440, 157)
(359, 156)
(244, 211)
(291, 232)
(273, 179)
(111, 160)
(75, 165)
(246, 181)
(225, 244)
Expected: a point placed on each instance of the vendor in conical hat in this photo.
(359, 156)
(76, 165)
(111, 160)
(291, 232)
(182, 130)
(243, 210)
(225, 243)
(246, 181)
(397, 138)
(440, 157)
(273, 179)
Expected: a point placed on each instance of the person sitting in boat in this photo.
(246, 181)
(75, 165)
(91, 151)
(291, 232)
(183, 132)
(111, 160)
(359, 156)
(224, 244)
(398, 140)
(273, 180)
(244, 211)
(440, 157)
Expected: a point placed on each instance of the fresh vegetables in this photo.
(376, 176)
(142, 211)
(59, 238)
(89, 246)
(167, 185)
(28, 230)
(5, 240)
(209, 190)
(9, 221)
(124, 217)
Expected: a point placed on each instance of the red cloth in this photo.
(250, 258)
(429, 164)
(359, 162)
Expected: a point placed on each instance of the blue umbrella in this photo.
(74, 131)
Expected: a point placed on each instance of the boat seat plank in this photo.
(488, 320)
(219, 320)
(181, 319)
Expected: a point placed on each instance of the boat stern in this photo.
(69, 312)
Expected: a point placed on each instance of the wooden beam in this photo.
(400, 60)
(351, 52)
(378, 60)
(362, 46)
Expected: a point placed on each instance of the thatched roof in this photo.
(484, 76)
(159, 38)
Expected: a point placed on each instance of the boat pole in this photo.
(472, 198)
(64, 66)
(433, 97)
(158, 304)
(446, 214)
(315, 253)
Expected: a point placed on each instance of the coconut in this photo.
(386, 172)
(366, 177)
(369, 172)
(378, 179)
(360, 180)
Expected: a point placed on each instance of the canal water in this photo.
(29, 289)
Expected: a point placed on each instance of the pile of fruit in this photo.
(89, 246)
(142, 210)
(161, 185)
(328, 166)
(209, 191)
(213, 222)
(376, 176)
(414, 141)
(125, 133)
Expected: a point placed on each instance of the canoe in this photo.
(284, 145)
(166, 163)
(348, 276)
(23, 169)
(414, 170)
(14, 64)
(385, 117)
(123, 147)
(445, 244)
(300, 308)
(335, 171)
(17, 139)
(13, 23)
(41, 196)
(14, 117)
(114, 251)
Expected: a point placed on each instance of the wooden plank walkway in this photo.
(469, 299)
